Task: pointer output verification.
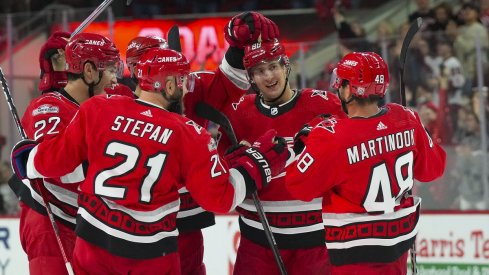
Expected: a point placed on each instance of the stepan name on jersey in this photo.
(142, 129)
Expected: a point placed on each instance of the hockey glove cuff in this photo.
(301, 136)
(20, 155)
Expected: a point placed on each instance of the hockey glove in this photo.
(20, 155)
(245, 28)
(258, 163)
(49, 78)
(300, 137)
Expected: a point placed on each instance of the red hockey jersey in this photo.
(364, 168)
(139, 156)
(44, 118)
(218, 89)
(295, 224)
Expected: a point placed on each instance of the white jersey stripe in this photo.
(62, 194)
(146, 216)
(191, 212)
(289, 231)
(345, 219)
(123, 235)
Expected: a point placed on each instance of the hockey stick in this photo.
(174, 39)
(15, 116)
(95, 13)
(208, 112)
(413, 29)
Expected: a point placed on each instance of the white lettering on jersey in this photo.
(142, 129)
(45, 109)
(375, 146)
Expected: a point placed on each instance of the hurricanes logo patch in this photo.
(320, 93)
(196, 126)
(235, 105)
(328, 124)
(45, 109)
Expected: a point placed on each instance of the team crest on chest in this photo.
(196, 126)
(235, 104)
(328, 124)
(320, 93)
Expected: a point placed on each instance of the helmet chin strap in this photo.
(345, 102)
(283, 90)
(91, 86)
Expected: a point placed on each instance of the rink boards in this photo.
(448, 243)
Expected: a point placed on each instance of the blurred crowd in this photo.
(152, 8)
(441, 81)
(9, 204)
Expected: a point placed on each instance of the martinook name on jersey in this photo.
(380, 145)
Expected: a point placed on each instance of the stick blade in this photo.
(174, 39)
(208, 112)
(413, 29)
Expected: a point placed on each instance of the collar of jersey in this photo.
(64, 93)
(147, 103)
(276, 110)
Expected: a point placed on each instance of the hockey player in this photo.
(219, 89)
(44, 118)
(297, 226)
(135, 49)
(139, 155)
(364, 166)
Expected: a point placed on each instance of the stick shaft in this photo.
(15, 116)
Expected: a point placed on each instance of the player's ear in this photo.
(89, 71)
(170, 86)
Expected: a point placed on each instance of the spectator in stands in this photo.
(384, 35)
(416, 71)
(465, 43)
(352, 35)
(468, 171)
(423, 94)
(484, 16)
(452, 68)
(424, 11)
(443, 14)
(9, 204)
(475, 103)
(323, 83)
(429, 115)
